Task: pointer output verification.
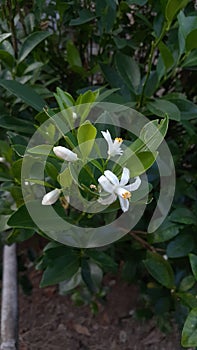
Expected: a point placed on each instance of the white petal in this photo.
(111, 177)
(65, 153)
(121, 191)
(135, 185)
(108, 200)
(51, 197)
(74, 116)
(124, 203)
(107, 136)
(106, 185)
(125, 177)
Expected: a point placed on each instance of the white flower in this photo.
(116, 188)
(114, 147)
(51, 197)
(65, 153)
(74, 116)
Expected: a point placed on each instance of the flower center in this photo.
(118, 139)
(126, 195)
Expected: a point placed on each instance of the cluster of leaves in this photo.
(144, 52)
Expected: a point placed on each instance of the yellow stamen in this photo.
(118, 139)
(126, 195)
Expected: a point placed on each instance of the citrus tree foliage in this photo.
(56, 55)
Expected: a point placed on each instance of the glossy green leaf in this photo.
(187, 283)
(21, 219)
(16, 124)
(180, 246)
(191, 60)
(19, 235)
(103, 260)
(162, 107)
(165, 232)
(61, 268)
(187, 299)
(30, 43)
(193, 262)
(183, 216)
(173, 7)
(189, 333)
(191, 40)
(7, 58)
(86, 136)
(71, 283)
(166, 55)
(73, 56)
(160, 269)
(24, 92)
(129, 71)
(137, 2)
(85, 16)
(4, 36)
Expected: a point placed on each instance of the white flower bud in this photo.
(51, 197)
(65, 153)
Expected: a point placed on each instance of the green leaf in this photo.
(21, 219)
(187, 25)
(183, 216)
(24, 92)
(191, 60)
(4, 36)
(187, 283)
(43, 150)
(193, 262)
(187, 299)
(19, 235)
(137, 2)
(140, 162)
(85, 16)
(61, 268)
(84, 103)
(87, 276)
(65, 178)
(182, 245)
(187, 108)
(16, 124)
(103, 260)
(191, 40)
(151, 136)
(189, 333)
(71, 283)
(30, 43)
(129, 71)
(160, 269)
(165, 232)
(86, 136)
(73, 56)
(173, 7)
(7, 58)
(66, 98)
(166, 55)
(162, 107)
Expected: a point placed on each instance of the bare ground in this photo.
(50, 321)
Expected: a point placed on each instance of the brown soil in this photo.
(50, 321)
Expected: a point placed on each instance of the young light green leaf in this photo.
(189, 333)
(65, 178)
(86, 136)
(30, 43)
(41, 149)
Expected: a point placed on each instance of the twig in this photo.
(142, 242)
(9, 309)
